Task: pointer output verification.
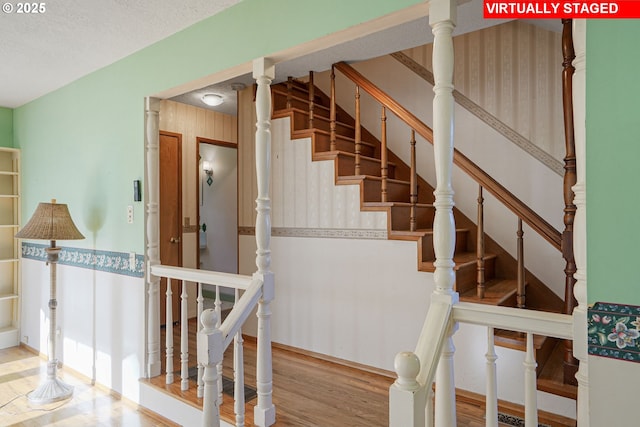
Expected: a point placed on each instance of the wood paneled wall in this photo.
(513, 71)
(247, 184)
(193, 122)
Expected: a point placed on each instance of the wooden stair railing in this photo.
(570, 179)
(515, 205)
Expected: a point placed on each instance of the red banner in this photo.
(495, 9)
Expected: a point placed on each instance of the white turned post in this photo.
(428, 410)
(580, 222)
(491, 403)
(169, 334)
(200, 301)
(530, 387)
(238, 374)
(152, 195)
(210, 352)
(407, 399)
(442, 18)
(184, 338)
(264, 73)
(217, 306)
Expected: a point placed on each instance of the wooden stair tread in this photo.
(496, 292)
(551, 378)
(516, 340)
(342, 137)
(395, 204)
(331, 154)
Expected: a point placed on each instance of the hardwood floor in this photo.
(311, 392)
(20, 373)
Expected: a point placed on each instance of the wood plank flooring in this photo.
(20, 373)
(311, 392)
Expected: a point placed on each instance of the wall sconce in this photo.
(206, 167)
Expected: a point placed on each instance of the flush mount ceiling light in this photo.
(212, 99)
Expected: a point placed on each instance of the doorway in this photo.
(170, 212)
(217, 205)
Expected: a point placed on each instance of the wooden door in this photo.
(170, 214)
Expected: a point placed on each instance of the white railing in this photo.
(410, 396)
(214, 335)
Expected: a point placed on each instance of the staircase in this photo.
(389, 185)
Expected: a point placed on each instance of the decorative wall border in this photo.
(322, 233)
(501, 127)
(93, 259)
(614, 331)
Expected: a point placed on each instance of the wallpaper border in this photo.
(92, 259)
(614, 331)
(322, 233)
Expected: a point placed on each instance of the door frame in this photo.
(220, 143)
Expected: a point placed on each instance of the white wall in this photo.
(219, 209)
(100, 317)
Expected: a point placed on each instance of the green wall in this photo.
(6, 127)
(83, 144)
(613, 161)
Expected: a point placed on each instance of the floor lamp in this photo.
(51, 221)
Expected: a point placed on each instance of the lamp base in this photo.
(51, 390)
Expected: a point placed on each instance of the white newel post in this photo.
(210, 353)
(264, 411)
(152, 194)
(580, 222)
(442, 18)
(407, 398)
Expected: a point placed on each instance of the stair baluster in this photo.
(384, 167)
(332, 111)
(570, 178)
(184, 338)
(413, 198)
(238, 373)
(217, 306)
(311, 100)
(480, 245)
(520, 294)
(169, 334)
(491, 410)
(530, 397)
(289, 91)
(200, 301)
(358, 133)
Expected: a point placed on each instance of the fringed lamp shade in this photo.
(50, 221)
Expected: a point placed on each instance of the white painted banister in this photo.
(238, 374)
(217, 307)
(491, 404)
(530, 388)
(442, 19)
(580, 220)
(264, 412)
(184, 338)
(200, 301)
(210, 353)
(169, 333)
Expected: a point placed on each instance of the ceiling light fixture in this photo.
(212, 99)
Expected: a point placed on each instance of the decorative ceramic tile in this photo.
(511, 420)
(614, 331)
(110, 262)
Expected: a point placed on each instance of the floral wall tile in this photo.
(614, 331)
(110, 262)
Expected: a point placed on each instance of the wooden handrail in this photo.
(515, 205)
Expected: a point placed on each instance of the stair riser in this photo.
(427, 244)
(401, 215)
(467, 275)
(297, 92)
(280, 103)
(301, 121)
(347, 166)
(396, 192)
(323, 143)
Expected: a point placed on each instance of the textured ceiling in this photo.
(43, 52)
